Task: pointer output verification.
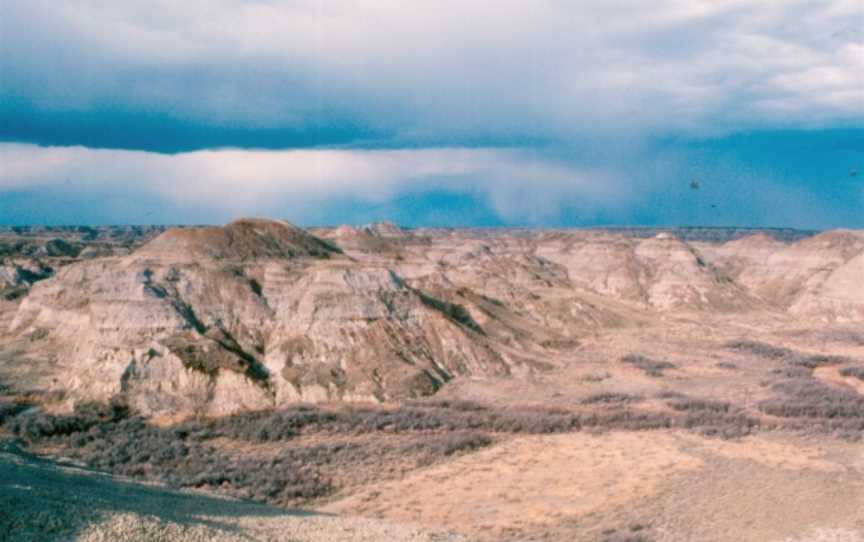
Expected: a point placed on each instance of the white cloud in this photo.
(238, 182)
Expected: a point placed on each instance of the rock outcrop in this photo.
(251, 315)
(661, 273)
(814, 277)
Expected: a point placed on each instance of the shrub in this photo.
(810, 405)
(611, 398)
(266, 426)
(536, 421)
(700, 405)
(613, 535)
(710, 417)
(449, 444)
(133, 448)
(452, 404)
(595, 377)
(811, 398)
(627, 420)
(857, 372)
(38, 425)
(785, 355)
(453, 311)
(759, 349)
(182, 456)
(844, 335)
(793, 372)
(444, 418)
(649, 366)
(433, 417)
(352, 444)
(9, 409)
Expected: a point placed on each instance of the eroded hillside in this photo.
(260, 313)
(502, 384)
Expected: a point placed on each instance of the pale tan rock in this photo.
(256, 314)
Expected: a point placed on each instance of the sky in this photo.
(542, 113)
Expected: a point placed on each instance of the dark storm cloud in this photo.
(173, 76)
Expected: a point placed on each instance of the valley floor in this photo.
(620, 486)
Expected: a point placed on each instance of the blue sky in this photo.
(457, 113)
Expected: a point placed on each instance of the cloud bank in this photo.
(441, 186)
(515, 184)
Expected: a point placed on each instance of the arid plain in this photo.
(600, 384)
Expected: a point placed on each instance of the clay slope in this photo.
(29, 254)
(366, 243)
(735, 257)
(525, 301)
(247, 316)
(19, 274)
(661, 273)
(244, 240)
(814, 277)
(837, 297)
